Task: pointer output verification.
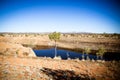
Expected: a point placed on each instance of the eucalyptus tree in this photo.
(55, 36)
(87, 51)
(101, 52)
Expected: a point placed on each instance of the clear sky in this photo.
(95, 16)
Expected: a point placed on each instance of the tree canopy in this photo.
(54, 36)
(87, 50)
(101, 51)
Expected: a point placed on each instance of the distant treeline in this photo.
(81, 34)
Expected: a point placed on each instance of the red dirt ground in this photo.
(33, 68)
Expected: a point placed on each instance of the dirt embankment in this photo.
(12, 49)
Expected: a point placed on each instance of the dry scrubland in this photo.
(111, 42)
(18, 62)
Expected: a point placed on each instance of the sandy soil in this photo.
(21, 68)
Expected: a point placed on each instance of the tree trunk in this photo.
(87, 57)
(101, 57)
(55, 49)
(83, 57)
(67, 55)
(97, 57)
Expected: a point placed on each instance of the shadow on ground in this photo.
(113, 69)
(65, 75)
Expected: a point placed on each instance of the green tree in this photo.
(55, 36)
(87, 51)
(101, 52)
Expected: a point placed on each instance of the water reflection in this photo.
(64, 54)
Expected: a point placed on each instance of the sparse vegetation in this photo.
(34, 68)
(26, 54)
(101, 52)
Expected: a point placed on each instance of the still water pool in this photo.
(64, 54)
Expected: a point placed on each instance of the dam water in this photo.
(64, 54)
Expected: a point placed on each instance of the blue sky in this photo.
(95, 16)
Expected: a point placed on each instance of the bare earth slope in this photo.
(12, 49)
